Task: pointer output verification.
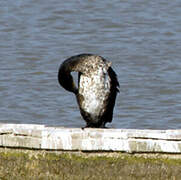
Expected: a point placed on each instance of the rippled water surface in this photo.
(142, 38)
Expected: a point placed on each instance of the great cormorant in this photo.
(97, 87)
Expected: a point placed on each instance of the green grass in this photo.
(29, 164)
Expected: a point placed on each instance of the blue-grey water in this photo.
(142, 38)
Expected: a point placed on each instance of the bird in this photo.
(96, 90)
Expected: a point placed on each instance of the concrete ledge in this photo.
(75, 139)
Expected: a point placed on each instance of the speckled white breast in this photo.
(95, 89)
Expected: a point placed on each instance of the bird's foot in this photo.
(94, 126)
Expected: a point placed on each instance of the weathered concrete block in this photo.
(59, 138)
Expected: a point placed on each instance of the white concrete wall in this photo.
(89, 139)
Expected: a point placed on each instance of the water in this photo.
(141, 38)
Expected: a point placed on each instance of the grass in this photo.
(29, 164)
